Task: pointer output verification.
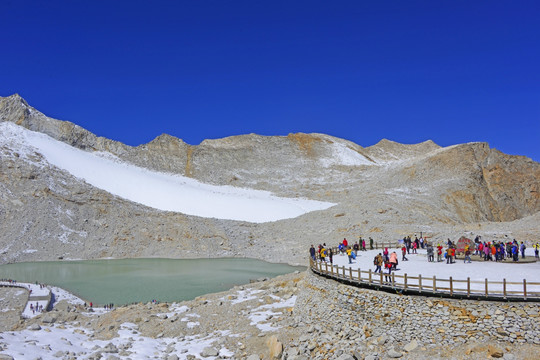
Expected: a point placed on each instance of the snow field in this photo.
(158, 190)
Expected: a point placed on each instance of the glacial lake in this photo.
(125, 281)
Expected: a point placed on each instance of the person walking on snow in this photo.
(403, 252)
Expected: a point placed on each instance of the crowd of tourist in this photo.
(486, 250)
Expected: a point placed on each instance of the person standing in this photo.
(522, 249)
(378, 261)
(312, 252)
(430, 253)
(467, 255)
(349, 254)
(394, 260)
(370, 243)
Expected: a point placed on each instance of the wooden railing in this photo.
(431, 286)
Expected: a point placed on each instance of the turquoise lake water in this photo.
(127, 281)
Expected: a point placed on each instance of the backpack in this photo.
(375, 262)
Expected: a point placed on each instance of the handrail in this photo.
(440, 287)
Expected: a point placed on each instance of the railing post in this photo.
(451, 287)
(405, 281)
(370, 279)
(468, 286)
(434, 284)
(486, 287)
(381, 277)
(524, 289)
(393, 280)
(504, 288)
(326, 267)
(350, 272)
(332, 269)
(420, 282)
(343, 270)
(359, 275)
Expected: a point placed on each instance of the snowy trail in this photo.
(476, 271)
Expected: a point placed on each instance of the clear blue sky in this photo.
(408, 71)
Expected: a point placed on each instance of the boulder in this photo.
(209, 351)
(274, 347)
(495, 352)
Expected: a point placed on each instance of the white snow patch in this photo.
(48, 341)
(344, 155)
(263, 313)
(162, 191)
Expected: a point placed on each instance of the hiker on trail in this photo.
(415, 247)
(536, 250)
(370, 243)
(345, 243)
(331, 255)
(403, 252)
(378, 261)
(364, 245)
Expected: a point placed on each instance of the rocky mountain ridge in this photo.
(385, 191)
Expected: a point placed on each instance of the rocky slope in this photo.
(296, 317)
(384, 191)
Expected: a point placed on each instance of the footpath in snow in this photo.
(476, 270)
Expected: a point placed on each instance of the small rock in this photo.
(172, 357)
(34, 327)
(209, 351)
(253, 357)
(345, 357)
(411, 346)
(495, 352)
(394, 354)
(49, 319)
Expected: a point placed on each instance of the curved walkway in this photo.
(477, 280)
(39, 296)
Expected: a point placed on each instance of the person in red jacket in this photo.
(345, 243)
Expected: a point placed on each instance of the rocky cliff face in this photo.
(384, 191)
